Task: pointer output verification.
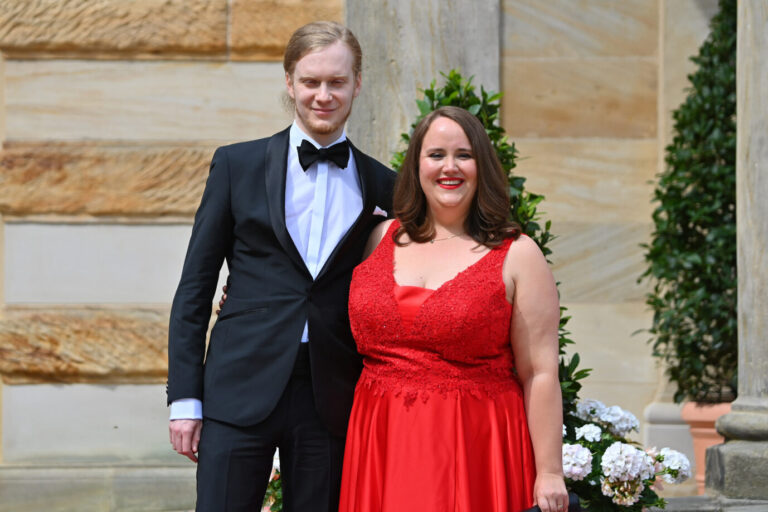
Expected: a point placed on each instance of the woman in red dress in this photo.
(456, 315)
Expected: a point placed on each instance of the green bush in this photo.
(692, 254)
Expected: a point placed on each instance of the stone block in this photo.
(91, 179)
(113, 28)
(97, 488)
(94, 424)
(563, 28)
(602, 97)
(737, 469)
(143, 101)
(590, 179)
(83, 345)
(598, 262)
(93, 263)
(260, 29)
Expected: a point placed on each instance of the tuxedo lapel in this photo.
(367, 185)
(275, 163)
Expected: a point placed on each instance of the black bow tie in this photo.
(309, 154)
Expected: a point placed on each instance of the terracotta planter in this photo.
(701, 420)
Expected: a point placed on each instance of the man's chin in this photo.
(324, 127)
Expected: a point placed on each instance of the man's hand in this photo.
(223, 299)
(185, 437)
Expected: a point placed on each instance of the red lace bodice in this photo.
(458, 340)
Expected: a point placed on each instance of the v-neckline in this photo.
(435, 290)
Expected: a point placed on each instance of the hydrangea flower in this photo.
(589, 432)
(677, 465)
(577, 461)
(622, 493)
(624, 462)
(625, 468)
(624, 477)
(619, 421)
(588, 409)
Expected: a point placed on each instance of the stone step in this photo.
(713, 504)
(97, 488)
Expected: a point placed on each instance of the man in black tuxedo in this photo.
(291, 215)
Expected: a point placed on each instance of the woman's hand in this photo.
(550, 493)
(223, 299)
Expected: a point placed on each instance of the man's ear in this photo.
(289, 85)
(358, 83)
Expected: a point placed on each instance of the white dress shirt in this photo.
(309, 199)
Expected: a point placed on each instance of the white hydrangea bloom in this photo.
(590, 432)
(577, 461)
(619, 421)
(623, 462)
(676, 463)
(625, 468)
(565, 431)
(588, 409)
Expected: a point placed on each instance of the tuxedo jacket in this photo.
(270, 295)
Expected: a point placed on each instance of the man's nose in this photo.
(324, 93)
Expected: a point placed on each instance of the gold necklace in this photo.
(446, 238)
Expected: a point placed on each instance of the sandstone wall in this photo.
(111, 111)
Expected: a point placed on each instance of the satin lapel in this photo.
(275, 163)
(365, 171)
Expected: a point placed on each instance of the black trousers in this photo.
(234, 462)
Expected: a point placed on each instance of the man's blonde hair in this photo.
(317, 35)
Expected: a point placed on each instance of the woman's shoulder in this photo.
(376, 236)
(524, 246)
(523, 252)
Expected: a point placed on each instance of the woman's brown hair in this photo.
(488, 221)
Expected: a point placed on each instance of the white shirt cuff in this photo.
(187, 409)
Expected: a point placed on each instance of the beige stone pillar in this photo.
(738, 468)
(406, 45)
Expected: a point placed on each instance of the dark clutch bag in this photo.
(573, 504)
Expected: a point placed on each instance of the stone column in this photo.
(406, 45)
(738, 468)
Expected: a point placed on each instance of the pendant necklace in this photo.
(446, 238)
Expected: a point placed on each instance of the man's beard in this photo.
(325, 127)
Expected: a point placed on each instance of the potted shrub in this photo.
(692, 254)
